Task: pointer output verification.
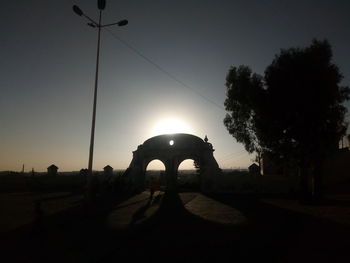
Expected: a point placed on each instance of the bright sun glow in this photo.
(170, 126)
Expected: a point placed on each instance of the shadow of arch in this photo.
(172, 210)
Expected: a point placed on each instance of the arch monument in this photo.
(171, 150)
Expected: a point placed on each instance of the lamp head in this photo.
(77, 10)
(101, 4)
(123, 22)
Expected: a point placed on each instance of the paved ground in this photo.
(336, 208)
(19, 208)
(182, 227)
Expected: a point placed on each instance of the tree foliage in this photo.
(244, 93)
(295, 110)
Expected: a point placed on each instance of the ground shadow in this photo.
(174, 234)
(292, 236)
(75, 234)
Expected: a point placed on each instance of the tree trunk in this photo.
(318, 193)
(304, 186)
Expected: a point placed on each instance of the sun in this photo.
(169, 126)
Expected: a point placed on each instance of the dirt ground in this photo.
(173, 227)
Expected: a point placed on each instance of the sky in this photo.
(163, 72)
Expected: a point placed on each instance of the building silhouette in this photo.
(108, 170)
(52, 170)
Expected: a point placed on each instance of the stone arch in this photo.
(196, 158)
(188, 175)
(155, 173)
(183, 146)
(147, 163)
(189, 164)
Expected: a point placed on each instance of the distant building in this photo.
(83, 172)
(336, 169)
(254, 170)
(108, 170)
(52, 170)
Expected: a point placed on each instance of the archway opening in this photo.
(188, 176)
(155, 171)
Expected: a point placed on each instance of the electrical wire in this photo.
(164, 71)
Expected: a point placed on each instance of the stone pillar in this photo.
(171, 176)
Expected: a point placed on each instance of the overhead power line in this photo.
(235, 158)
(164, 71)
(230, 156)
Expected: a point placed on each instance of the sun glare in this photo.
(170, 126)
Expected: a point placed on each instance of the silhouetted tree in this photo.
(294, 112)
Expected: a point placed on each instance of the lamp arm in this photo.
(119, 23)
(95, 23)
(112, 24)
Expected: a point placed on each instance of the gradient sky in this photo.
(48, 59)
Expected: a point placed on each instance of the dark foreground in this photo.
(175, 228)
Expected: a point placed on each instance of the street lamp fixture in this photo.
(101, 4)
(77, 10)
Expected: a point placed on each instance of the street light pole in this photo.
(101, 4)
(92, 137)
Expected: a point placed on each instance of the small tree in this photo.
(294, 112)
